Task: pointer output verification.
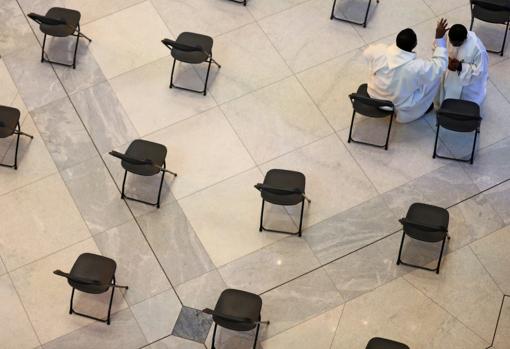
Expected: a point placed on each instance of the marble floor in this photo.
(279, 101)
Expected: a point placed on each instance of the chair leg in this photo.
(172, 75)
(256, 336)
(207, 76)
(214, 336)
(366, 14)
(301, 218)
(262, 215)
(76, 47)
(17, 147)
(472, 22)
(400, 249)
(474, 146)
(110, 305)
(71, 302)
(440, 256)
(333, 10)
(352, 124)
(435, 143)
(122, 195)
(389, 130)
(161, 185)
(504, 39)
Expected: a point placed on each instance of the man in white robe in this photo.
(411, 83)
(468, 67)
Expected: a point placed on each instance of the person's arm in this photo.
(470, 70)
(432, 69)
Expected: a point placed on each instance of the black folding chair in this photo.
(381, 343)
(427, 223)
(460, 116)
(144, 158)
(59, 22)
(285, 188)
(492, 11)
(240, 1)
(364, 23)
(10, 125)
(363, 104)
(238, 311)
(194, 49)
(92, 273)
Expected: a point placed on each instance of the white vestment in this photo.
(471, 83)
(410, 83)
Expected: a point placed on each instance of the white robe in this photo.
(471, 83)
(410, 83)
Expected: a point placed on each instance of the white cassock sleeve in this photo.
(430, 71)
(472, 70)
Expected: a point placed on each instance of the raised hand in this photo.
(442, 28)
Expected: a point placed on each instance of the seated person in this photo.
(411, 83)
(468, 67)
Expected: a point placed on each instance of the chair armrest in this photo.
(40, 19)
(77, 279)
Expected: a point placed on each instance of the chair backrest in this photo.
(376, 108)
(171, 44)
(76, 279)
(130, 159)
(40, 19)
(277, 190)
(457, 120)
(492, 5)
(407, 223)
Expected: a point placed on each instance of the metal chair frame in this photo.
(507, 23)
(364, 23)
(17, 132)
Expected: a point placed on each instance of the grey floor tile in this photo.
(502, 338)
(15, 33)
(64, 135)
(499, 197)
(157, 315)
(104, 117)
(136, 265)
(175, 243)
(202, 292)
(351, 230)
(123, 333)
(270, 266)
(315, 293)
(96, 195)
(192, 324)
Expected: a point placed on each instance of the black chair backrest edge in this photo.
(492, 5)
(181, 47)
(130, 160)
(406, 222)
(276, 190)
(372, 102)
(79, 280)
(227, 317)
(40, 19)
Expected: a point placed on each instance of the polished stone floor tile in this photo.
(203, 291)
(499, 197)
(464, 289)
(401, 312)
(218, 155)
(136, 264)
(53, 223)
(96, 195)
(492, 253)
(151, 104)
(314, 292)
(270, 266)
(192, 324)
(228, 339)
(48, 308)
(323, 163)
(276, 120)
(351, 230)
(63, 133)
(315, 333)
(247, 65)
(330, 83)
(500, 76)
(157, 315)
(502, 338)
(120, 46)
(34, 161)
(263, 8)
(123, 333)
(204, 17)
(409, 154)
(37, 83)
(100, 110)
(237, 221)
(15, 33)
(2, 268)
(175, 244)
(9, 90)
(305, 36)
(16, 330)
(174, 342)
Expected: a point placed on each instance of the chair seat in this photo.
(193, 39)
(492, 11)
(144, 150)
(369, 107)
(381, 343)
(284, 179)
(427, 215)
(71, 17)
(241, 304)
(9, 118)
(459, 115)
(93, 267)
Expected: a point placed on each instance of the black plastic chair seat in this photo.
(71, 17)
(365, 105)
(195, 40)
(238, 304)
(9, 118)
(431, 222)
(93, 267)
(381, 343)
(459, 115)
(144, 150)
(287, 180)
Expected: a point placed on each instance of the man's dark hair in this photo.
(406, 40)
(458, 33)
